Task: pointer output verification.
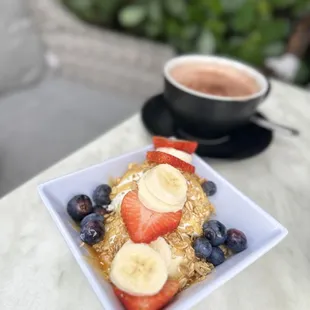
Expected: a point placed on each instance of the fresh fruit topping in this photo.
(215, 232)
(209, 188)
(174, 267)
(182, 145)
(163, 189)
(177, 153)
(155, 302)
(167, 183)
(92, 217)
(163, 158)
(101, 210)
(202, 248)
(79, 206)
(101, 195)
(216, 257)
(144, 225)
(92, 232)
(138, 270)
(236, 240)
(163, 249)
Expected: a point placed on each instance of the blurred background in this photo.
(257, 32)
(72, 69)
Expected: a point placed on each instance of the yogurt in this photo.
(176, 153)
(136, 176)
(118, 199)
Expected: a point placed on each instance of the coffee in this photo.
(215, 79)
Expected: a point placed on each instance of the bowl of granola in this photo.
(158, 228)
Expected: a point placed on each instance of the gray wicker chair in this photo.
(62, 83)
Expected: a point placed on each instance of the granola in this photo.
(197, 209)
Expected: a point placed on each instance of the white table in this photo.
(38, 272)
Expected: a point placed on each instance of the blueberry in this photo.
(101, 210)
(216, 257)
(101, 195)
(92, 232)
(215, 232)
(202, 247)
(79, 206)
(236, 240)
(92, 217)
(209, 188)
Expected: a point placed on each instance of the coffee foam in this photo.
(215, 79)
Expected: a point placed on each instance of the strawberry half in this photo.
(164, 158)
(144, 225)
(182, 145)
(155, 302)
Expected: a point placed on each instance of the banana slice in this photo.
(173, 270)
(167, 184)
(138, 270)
(153, 203)
(163, 189)
(162, 247)
(172, 262)
(176, 153)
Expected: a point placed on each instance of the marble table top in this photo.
(37, 271)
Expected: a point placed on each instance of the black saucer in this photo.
(244, 142)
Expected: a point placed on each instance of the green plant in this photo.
(246, 29)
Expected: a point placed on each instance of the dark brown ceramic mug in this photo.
(221, 95)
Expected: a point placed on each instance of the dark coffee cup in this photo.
(210, 95)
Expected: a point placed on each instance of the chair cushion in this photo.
(42, 124)
(21, 52)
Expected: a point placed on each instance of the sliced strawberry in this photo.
(182, 145)
(155, 302)
(144, 225)
(164, 158)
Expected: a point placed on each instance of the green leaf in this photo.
(264, 9)
(300, 8)
(176, 8)
(281, 4)
(132, 15)
(206, 43)
(236, 41)
(213, 7)
(274, 49)
(184, 46)
(234, 44)
(244, 18)
(250, 50)
(247, 29)
(189, 31)
(196, 13)
(172, 28)
(274, 30)
(216, 26)
(230, 6)
(155, 11)
(152, 29)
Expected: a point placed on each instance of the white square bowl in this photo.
(232, 208)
